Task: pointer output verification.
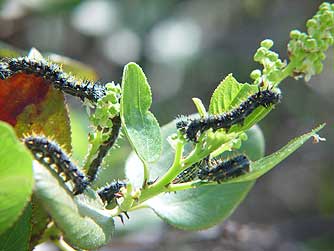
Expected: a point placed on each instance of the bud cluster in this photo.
(272, 65)
(308, 49)
(107, 107)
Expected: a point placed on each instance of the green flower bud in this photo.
(111, 97)
(324, 6)
(260, 54)
(303, 37)
(267, 43)
(323, 45)
(279, 64)
(294, 34)
(329, 40)
(313, 57)
(272, 56)
(310, 44)
(311, 23)
(322, 56)
(326, 18)
(104, 137)
(255, 74)
(113, 110)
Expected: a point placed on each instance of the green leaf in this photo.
(39, 222)
(83, 220)
(264, 165)
(142, 221)
(200, 107)
(192, 209)
(17, 237)
(140, 125)
(229, 95)
(201, 207)
(16, 176)
(253, 147)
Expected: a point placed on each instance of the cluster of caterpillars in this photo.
(218, 170)
(51, 155)
(48, 152)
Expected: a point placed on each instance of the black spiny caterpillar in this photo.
(54, 74)
(110, 192)
(52, 156)
(104, 148)
(192, 128)
(220, 170)
(189, 174)
(214, 170)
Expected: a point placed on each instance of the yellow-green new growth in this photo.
(107, 107)
(306, 51)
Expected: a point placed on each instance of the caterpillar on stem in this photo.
(193, 128)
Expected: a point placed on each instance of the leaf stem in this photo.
(115, 211)
(92, 152)
(62, 245)
(137, 207)
(146, 173)
(288, 70)
(161, 185)
(175, 168)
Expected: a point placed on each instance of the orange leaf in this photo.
(31, 105)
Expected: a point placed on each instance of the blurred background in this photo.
(186, 47)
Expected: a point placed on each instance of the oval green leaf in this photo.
(140, 125)
(16, 177)
(229, 95)
(17, 237)
(200, 208)
(83, 221)
(39, 221)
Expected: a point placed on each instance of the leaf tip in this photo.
(132, 65)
